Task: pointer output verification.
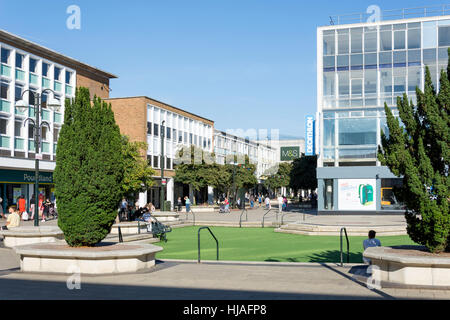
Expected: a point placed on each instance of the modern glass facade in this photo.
(360, 68)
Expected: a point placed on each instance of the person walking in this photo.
(32, 206)
(260, 199)
(46, 208)
(280, 203)
(285, 203)
(227, 204)
(179, 204)
(252, 201)
(22, 205)
(188, 203)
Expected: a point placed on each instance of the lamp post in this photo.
(52, 103)
(234, 164)
(162, 166)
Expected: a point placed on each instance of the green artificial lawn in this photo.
(263, 244)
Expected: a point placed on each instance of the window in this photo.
(343, 41)
(155, 161)
(385, 59)
(400, 59)
(190, 138)
(328, 43)
(168, 163)
(342, 62)
(3, 126)
(44, 97)
(55, 134)
(5, 55)
(414, 39)
(180, 136)
(68, 77)
(370, 82)
(18, 129)
(399, 40)
(168, 136)
(185, 137)
(30, 131)
(357, 61)
(44, 133)
(356, 87)
(344, 88)
(414, 78)
(444, 36)
(328, 62)
(386, 82)
(45, 69)
(357, 131)
(370, 41)
(4, 90)
(328, 135)
(414, 57)
(57, 73)
(149, 128)
(399, 80)
(429, 56)
(19, 60)
(328, 84)
(33, 65)
(174, 135)
(385, 40)
(155, 129)
(149, 160)
(357, 36)
(370, 60)
(429, 35)
(18, 92)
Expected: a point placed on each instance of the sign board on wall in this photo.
(309, 137)
(357, 194)
(289, 153)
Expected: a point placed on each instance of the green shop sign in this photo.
(289, 153)
(18, 176)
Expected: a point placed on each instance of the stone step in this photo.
(333, 230)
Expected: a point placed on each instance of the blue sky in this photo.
(244, 64)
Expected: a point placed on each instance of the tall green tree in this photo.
(303, 173)
(89, 170)
(419, 151)
(281, 178)
(138, 174)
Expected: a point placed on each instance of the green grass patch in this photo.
(263, 244)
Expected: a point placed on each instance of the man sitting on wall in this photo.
(371, 242)
(13, 219)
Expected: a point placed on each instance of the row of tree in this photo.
(298, 175)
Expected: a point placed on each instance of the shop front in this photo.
(357, 190)
(16, 183)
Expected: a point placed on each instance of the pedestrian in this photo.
(280, 203)
(41, 204)
(227, 204)
(252, 201)
(285, 203)
(32, 206)
(260, 199)
(267, 202)
(188, 204)
(13, 219)
(22, 205)
(179, 204)
(46, 208)
(370, 242)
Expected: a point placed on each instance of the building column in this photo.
(142, 201)
(210, 195)
(170, 192)
(320, 194)
(191, 194)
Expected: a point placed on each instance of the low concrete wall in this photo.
(132, 227)
(110, 259)
(409, 266)
(166, 216)
(20, 236)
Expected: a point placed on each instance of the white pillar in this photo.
(170, 192)
(210, 195)
(191, 194)
(142, 199)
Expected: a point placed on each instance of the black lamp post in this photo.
(54, 104)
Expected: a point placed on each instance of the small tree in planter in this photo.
(89, 170)
(420, 152)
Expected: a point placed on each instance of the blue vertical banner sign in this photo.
(310, 136)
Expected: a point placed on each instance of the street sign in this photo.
(39, 156)
(164, 181)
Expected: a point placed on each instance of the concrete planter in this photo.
(21, 236)
(102, 259)
(166, 216)
(132, 227)
(409, 266)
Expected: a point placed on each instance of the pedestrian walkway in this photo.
(183, 280)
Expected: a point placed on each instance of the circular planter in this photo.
(104, 258)
(20, 236)
(131, 227)
(409, 266)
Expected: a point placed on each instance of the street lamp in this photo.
(234, 164)
(22, 106)
(162, 165)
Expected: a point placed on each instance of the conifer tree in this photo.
(419, 151)
(89, 170)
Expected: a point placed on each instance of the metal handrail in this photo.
(246, 217)
(348, 246)
(217, 242)
(271, 209)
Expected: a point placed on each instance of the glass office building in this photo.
(360, 68)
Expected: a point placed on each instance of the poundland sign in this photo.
(17, 176)
(309, 147)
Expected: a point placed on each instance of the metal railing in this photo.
(198, 237)
(264, 216)
(348, 247)
(240, 218)
(393, 14)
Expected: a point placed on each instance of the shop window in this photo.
(328, 194)
(388, 198)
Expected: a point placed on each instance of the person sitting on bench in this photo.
(371, 242)
(13, 219)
